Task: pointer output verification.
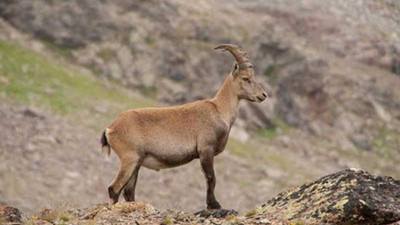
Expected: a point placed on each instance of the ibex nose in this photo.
(263, 97)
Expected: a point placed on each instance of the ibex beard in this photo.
(159, 138)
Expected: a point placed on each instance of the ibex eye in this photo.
(246, 79)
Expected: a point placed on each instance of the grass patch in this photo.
(167, 221)
(64, 51)
(276, 129)
(377, 161)
(55, 215)
(230, 217)
(258, 152)
(272, 72)
(251, 213)
(149, 91)
(385, 141)
(150, 41)
(238, 148)
(269, 133)
(35, 79)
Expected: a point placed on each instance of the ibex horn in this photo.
(241, 57)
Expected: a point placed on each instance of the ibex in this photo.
(160, 138)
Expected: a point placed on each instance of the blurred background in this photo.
(68, 68)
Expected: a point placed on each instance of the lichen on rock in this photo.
(346, 197)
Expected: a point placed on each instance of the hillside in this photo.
(68, 68)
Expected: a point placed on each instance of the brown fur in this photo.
(159, 138)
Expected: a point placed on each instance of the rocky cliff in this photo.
(346, 197)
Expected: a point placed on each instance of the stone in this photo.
(10, 214)
(216, 213)
(350, 196)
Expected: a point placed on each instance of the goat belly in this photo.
(152, 163)
(163, 161)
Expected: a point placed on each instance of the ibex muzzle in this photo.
(159, 138)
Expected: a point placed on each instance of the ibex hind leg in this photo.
(128, 164)
(129, 190)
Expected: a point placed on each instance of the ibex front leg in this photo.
(207, 164)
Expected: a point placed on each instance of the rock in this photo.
(33, 112)
(10, 215)
(216, 213)
(350, 196)
(347, 197)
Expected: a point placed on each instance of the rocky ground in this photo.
(331, 69)
(346, 197)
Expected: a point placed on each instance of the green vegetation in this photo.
(60, 50)
(149, 91)
(251, 213)
(269, 132)
(279, 128)
(51, 216)
(30, 78)
(385, 140)
(167, 221)
(378, 161)
(230, 217)
(150, 41)
(238, 148)
(272, 72)
(257, 154)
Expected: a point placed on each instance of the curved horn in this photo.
(242, 58)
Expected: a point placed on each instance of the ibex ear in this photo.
(235, 69)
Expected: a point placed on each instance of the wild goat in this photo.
(159, 138)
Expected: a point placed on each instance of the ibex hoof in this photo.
(214, 205)
(128, 196)
(113, 196)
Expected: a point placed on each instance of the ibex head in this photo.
(244, 82)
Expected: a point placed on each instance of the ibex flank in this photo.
(159, 138)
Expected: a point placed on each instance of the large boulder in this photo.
(347, 197)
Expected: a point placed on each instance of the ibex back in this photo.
(159, 138)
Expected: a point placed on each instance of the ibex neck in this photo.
(227, 101)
